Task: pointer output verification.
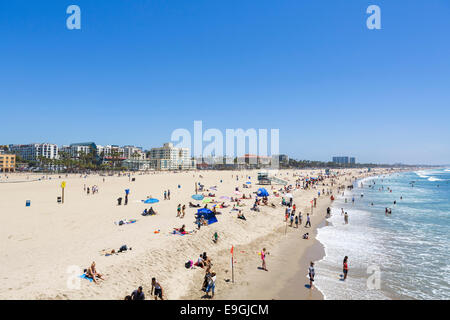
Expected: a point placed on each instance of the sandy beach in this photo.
(42, 245)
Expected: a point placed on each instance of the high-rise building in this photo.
(33, 151)
(344, 160)
(169, 157)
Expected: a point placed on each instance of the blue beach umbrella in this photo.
(151, 200)
(197, 197)
(248, 182)
(262, 192)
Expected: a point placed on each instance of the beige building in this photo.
(169, 157)
(7, 162)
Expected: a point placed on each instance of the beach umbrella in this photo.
(248, 182)
(225, 197)
(262, 192)
(197, 197)
(151, 200)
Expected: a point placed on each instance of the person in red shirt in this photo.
(345, 267)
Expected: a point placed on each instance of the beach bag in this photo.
(188, 264)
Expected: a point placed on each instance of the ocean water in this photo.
(408, 251)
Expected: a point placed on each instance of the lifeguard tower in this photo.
(264, 178)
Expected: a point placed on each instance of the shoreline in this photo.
(340, 196)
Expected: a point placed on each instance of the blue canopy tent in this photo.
(262, 192)
(207, 214)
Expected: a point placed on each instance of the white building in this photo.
(134, 153)
(109, 150)
(33, 151)
(75, 151)
(170, 158)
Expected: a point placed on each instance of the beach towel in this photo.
(84, 276)
(125, 221)
(181, 233)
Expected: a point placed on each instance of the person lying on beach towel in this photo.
(191, 205)
(223, 205)
(181, 231)
(125, 221)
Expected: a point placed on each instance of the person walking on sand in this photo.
(308, 221)
(211, 284)
(183, 209)
(311, 274)
(178, 210)
(346, 218)
(345, 267)
(138, 294)
(263, 258)
(168, 194)
(165, 195)
(158, 289)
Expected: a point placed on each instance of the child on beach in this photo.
(345, 267)
(263, 258)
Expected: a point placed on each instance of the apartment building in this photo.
(33, 151)
(170, 158)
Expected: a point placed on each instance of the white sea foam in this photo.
(422, 174)
(432, 179)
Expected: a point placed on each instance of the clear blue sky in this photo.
(139, 69)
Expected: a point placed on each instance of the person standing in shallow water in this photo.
(311, 274)
(345, 267)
